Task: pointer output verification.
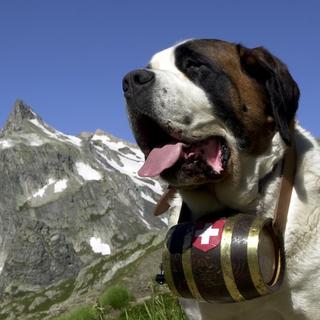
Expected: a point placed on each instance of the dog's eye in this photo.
(192, 63)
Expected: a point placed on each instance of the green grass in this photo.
(118, 297)
(160, 307)
(81, 313)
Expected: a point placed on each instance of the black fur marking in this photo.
(281, 90)
(215, 82)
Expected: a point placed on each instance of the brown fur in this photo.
(249, 99)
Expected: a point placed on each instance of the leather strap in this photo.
(163, 203)
(286, 185)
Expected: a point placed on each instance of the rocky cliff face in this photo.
(64, 200)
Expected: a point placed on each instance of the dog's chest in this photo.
(264, 308)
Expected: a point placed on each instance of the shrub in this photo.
(80, 313)
(117, 297)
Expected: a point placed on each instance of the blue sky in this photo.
(66, 58)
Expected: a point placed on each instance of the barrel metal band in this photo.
(279, 270)
(253, 259)
(225, 258)
(167, 271)
(187, 269)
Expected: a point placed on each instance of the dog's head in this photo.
(201, 105)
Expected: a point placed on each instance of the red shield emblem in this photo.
(208, 235)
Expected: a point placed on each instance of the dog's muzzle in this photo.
(136, 82)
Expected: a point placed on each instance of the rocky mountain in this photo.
(66, 201)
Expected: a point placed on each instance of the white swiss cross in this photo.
(208, 236)
(206, 233)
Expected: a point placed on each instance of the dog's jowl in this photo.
(216, 121)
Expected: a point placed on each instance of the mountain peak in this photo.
(20, 112)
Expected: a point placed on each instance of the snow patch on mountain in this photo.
(117, 146)
(165, 220)
(144, 220)
(28, 139)
(55, 134)
(5, 144)
(129, 165)
(56, 187)
(147, 197)
(33, 140)
(61, 185)
(87, 172)
(99, 247)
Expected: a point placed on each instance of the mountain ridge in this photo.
(66, 199)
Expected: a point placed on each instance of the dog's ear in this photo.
(282, 91)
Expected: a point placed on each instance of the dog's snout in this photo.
(136, 79)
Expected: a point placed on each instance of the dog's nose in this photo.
(136, 79)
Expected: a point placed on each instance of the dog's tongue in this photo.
(163, 158)
(160, 159)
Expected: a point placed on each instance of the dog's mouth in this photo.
(166, 156)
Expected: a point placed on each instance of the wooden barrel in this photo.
(227, 260)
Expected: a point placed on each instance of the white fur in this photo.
(175, 97)
(299, 298)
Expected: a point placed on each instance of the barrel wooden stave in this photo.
(215, 276)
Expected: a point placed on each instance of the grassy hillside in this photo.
(132, 268)
(157, 307)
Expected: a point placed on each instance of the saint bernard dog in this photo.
(214, 120)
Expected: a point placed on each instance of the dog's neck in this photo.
(251, 188)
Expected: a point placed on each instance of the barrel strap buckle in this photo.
(160, 279)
